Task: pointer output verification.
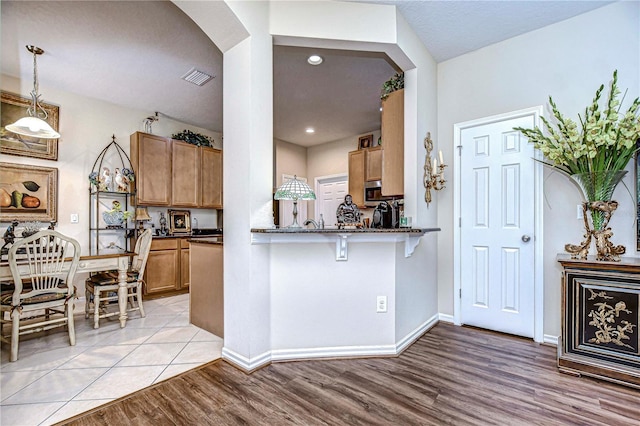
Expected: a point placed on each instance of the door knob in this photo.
(526, 238)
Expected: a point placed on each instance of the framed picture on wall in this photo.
(179, 222)
(365, 141)
(14, 107)
(28, 193)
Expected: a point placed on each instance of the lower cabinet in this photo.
(167, 270)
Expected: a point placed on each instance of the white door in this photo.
(497, 224)
(330, 192)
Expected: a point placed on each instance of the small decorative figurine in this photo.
(9, 235)
(163, 224)
(122, 181)
(347, 212)
(105, 180)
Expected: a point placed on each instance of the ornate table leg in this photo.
(122, 291)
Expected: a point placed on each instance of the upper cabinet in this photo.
(151, 161)
(393, 144)
(211, 178)
(185, 175)
(174, 173)
(356, 176)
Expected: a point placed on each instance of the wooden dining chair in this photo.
(40, 298)
(102, 288)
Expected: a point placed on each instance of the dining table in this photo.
(94, 263)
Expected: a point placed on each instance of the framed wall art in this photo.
(28, 193)
(365, 141)
(14, 107)
(179, 222)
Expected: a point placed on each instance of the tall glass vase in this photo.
(598, 188)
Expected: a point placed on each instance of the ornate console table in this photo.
(600, 319)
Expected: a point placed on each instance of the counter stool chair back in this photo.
(40, 298)
(102, 288)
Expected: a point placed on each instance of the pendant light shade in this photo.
(34, 127)
(34, 124)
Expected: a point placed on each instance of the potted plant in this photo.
(394, 83)
(193, 138)
(594, 155)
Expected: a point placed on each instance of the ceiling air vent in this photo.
(196, 77)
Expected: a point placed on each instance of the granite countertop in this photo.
(207, 240)
(343, 231)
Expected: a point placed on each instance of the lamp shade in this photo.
(34, 127)
(295, 190)
(142, 214)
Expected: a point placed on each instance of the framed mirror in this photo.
(638, 196)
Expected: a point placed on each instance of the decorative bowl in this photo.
(113, 219)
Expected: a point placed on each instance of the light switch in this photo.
(75, 218)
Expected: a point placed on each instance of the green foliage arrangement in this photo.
(193, 138)
(394, 83)
(605, 142)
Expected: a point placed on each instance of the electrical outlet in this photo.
(579, 211)
(381, 304)
(75, 218)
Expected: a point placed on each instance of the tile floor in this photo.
(52, 381)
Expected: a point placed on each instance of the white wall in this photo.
(290, 160)
(86, 126)
(568, 60)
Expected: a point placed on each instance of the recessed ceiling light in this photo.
(315, 60)
(310, 130)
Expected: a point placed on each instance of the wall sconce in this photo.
(433, 173)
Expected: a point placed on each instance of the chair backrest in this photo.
(143, 245)
(43, 260)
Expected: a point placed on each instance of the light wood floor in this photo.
(452, 375)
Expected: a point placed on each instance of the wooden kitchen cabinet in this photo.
(185, 175)
(175, 173)
(356, 176)
(185, 275)
(211, 178)
(373, 163)
(393, 144)
(151, 161)
(167, 270)
(364, 165)
(162, 271)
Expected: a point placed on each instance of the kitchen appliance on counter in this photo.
(386, 215)
(373, 193)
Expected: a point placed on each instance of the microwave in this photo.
(373, 194)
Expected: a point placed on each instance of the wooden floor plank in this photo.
(450, 376)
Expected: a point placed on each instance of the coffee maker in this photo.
(386, 215)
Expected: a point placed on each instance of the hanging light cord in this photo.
(36, 110)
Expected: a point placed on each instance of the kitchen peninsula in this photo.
(344, 292)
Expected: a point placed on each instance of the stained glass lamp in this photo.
(294, 190)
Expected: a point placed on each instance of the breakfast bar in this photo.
(346, 292)
(341, 237)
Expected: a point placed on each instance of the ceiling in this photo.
(134, 53)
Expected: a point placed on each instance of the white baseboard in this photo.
(550, 340)
(249, 365)
(244, 363)
(445, 318)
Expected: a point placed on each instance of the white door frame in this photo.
(538, 268)
(319, 180)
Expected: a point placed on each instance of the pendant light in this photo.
(34, 125)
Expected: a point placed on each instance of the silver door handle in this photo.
(526, 238)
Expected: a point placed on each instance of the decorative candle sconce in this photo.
(433, 173)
